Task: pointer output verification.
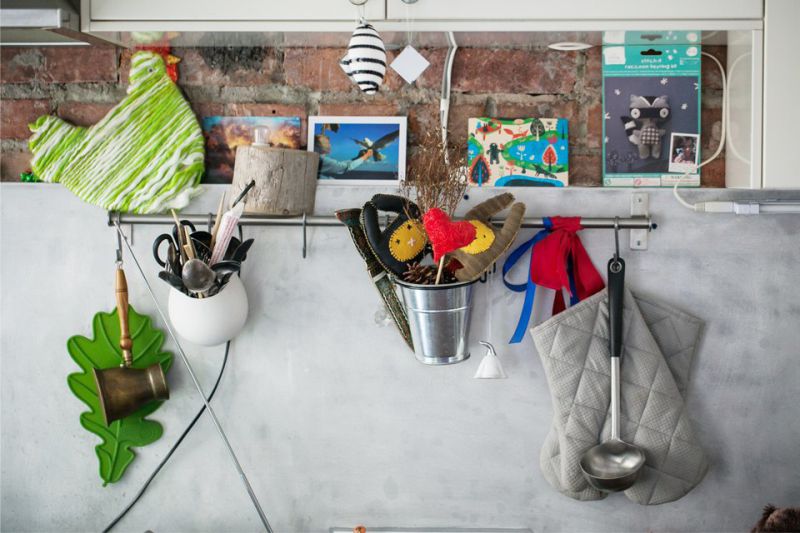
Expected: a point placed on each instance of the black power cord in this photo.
(174, 446)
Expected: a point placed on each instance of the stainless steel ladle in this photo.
(614, 465)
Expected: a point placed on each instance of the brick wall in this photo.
(82, 84)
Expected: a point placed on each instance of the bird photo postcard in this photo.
(521, 152)
(359, 150)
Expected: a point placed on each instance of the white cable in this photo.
(444, 102)
(720, 146)
(736, 208)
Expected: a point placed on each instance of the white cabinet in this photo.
(781, 84)
(228, 10)
(514, 10)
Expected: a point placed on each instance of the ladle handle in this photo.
(125, 341)
(616, 289)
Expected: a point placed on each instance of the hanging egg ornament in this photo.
(365, 60)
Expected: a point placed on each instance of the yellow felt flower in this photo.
(484, 237)
(407, 241)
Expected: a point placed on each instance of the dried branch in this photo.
(437, 176)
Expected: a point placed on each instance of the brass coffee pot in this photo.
(123, 390)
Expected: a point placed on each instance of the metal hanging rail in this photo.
(643, 222)
(635, 222)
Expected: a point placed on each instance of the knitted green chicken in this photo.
(145, 156)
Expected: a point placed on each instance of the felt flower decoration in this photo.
(491, 241)
(402, 242)
(444, 235)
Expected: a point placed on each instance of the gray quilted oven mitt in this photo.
(658, 347)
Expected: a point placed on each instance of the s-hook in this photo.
(304, 235)
(119, 241)
(616, 263)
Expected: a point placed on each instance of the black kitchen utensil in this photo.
(226, 267)
(173, 240)
(232, 247)
(173, 280)
(201, 251)
(240, 254)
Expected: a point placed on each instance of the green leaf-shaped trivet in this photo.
(101, 352)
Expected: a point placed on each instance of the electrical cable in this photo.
(196, 382)
(731, 207)
(721, 144)
(172, 450)
(444, 101)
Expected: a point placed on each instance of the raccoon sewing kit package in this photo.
(651, 107)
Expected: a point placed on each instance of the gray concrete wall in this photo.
(337, 424)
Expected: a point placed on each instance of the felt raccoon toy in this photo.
(643, 126)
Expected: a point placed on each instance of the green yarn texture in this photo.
(115, 452)
(145, 156)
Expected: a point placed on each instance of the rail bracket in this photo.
(640, 206)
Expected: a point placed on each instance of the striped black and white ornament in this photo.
(365, 60)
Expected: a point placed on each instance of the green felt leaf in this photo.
(103, 351)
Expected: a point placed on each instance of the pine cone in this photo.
(426, 275)
(421, 275)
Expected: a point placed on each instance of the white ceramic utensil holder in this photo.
(209, 321)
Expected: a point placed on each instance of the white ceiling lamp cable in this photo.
(737, 208)
(444, 102)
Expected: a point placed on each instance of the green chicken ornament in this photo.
(145, 156)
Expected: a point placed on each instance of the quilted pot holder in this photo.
(659, 344)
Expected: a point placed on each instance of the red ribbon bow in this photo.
(559, 253)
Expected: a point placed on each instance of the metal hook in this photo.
(489, 347)
(616, 263)
(116, 217)
(361, 7)
(304, 236)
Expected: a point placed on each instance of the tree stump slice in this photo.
(286, 180)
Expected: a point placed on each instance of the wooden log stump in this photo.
(286, 180)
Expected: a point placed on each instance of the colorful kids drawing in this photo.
(531, 152)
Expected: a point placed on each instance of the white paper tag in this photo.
(614, 37)
(410, 64)
(614, 55)
(669, 180)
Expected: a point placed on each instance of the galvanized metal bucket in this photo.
(439, 319)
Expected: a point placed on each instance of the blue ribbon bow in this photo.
(529, 288)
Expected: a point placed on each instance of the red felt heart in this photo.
(446, 236)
